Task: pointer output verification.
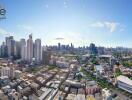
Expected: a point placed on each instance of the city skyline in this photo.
(81, 22)
(65, 50)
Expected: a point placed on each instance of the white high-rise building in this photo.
(17, 49)
(10, 46)
(38, 51)
(23, 44)
(23, 49)
(30, 48)
(24, 53)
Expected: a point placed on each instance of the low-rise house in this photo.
(34, 86)
(3, 96)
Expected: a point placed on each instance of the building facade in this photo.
(37, 51)
(30, 48)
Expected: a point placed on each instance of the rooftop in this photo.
(124, 79)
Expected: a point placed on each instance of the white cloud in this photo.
(59, 38)
(4, 32)
(110, 26)
(97, 24)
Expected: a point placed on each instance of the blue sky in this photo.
(103, 22)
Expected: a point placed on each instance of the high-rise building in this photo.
(72, 46)
(22, 44)
(23, 49)
(24, 53)
(46, 55)
(37, 51)
(30, 48)
(17, 50)
(10, 46)
(0, 52)
(93, 49)
(59, 46)
(4, 50)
